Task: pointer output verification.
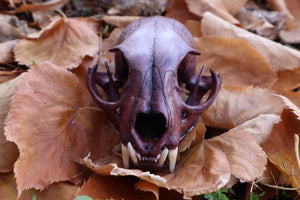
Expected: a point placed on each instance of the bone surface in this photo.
(155, 57)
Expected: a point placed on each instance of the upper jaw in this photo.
(150, 162)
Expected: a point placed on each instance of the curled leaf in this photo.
(280, 147)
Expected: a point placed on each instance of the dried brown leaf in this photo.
(119, 21)
(54, 132)
(8, 150)
(224, 8)
(6, 51)
(236, 105)
(46, 6)
(236, 60)
(177, 9)
(207, 166)
(280, 147)
(279, 57)
(148, 187)
(108, 44)
(288, 80)
(59, 191)
(64, 42)
(246, 158)
(8, 189)
(264, 23)
(194, 27)
(293, 96)
(260, 127)
(291, 33)
(109, 187)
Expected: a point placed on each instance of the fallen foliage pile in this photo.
(53, 143)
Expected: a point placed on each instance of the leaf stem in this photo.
(87, 107)
(296, 138)
(278, 187)
(61, 13)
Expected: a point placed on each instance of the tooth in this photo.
(172, 158)
(132, 153)
(125, 156)
(163, 156)
(157, 157)
(138, 156)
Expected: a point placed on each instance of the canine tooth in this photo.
(132, 153)
(138, 156)
(125, 156)
(172, 158)
(163, 156)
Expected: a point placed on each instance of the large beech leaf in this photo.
(280, 147)
(260, 127)
(274, 53)
(58, 191)
(8, 150)
(221, 56)
(247, 160)
(236, 105)
(207, 166)
(64, 42)
(51, 131)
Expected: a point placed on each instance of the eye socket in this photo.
(150, 125)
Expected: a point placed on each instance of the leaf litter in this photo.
(54, 135)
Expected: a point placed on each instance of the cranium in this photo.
(155, 58)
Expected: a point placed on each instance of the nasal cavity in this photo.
(150, 126)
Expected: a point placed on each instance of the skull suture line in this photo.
(154, 57)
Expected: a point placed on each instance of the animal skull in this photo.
(154, 57)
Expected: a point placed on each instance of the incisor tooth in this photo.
(163, 156)
(125, 156)
(172, 158)
(132, 153)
